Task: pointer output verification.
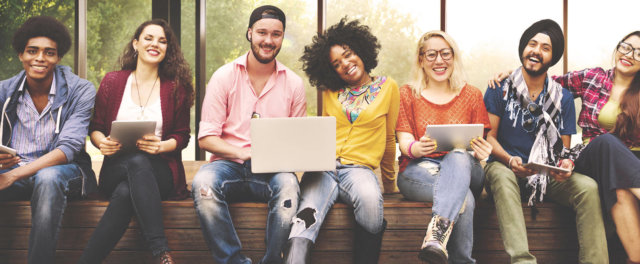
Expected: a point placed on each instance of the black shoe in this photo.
(298, 251)
(366, 246)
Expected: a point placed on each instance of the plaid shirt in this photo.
(593, 86)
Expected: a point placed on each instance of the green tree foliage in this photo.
(15, 12)
(111, 23)
(110, 26)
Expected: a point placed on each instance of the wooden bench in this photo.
(552, 236)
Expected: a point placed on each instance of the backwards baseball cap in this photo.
(549, 28)
(266, 11)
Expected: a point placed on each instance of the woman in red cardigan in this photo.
(154, 84)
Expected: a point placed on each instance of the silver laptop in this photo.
(293, 144)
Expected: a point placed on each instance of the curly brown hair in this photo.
(352, 34)
(173, 66)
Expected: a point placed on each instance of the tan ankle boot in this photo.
(164, 258)
(434, 246)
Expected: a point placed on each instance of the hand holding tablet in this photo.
(7, 150)
(8, 157)
(454, 136)
(127, 133)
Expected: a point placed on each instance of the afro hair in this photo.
(42, 26)
(352, 34)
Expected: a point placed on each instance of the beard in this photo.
(543, 67)
(255, 49)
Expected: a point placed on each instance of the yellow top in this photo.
(371, 139)
(607, 118)
(609, 114)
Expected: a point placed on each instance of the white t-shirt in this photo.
(130, 111)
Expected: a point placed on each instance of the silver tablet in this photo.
(544, 167)
(452, 136)
(128, 132)
(7, 150)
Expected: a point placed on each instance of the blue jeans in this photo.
(135, 184)
(223, 181)
(48, 190)
(354, 185)
(450, 184)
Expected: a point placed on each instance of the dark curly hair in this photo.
(42, 26)
(315, 60)
(173, 66)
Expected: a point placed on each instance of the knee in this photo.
(606, 140)
(285, 185)
(206, 186)
(47, 178)
(121, 191)
(498, 175)
(139, 161)
(457, 158)
(625, 196)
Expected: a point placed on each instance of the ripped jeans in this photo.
(450, 184)
(222, 181)
(354, 185)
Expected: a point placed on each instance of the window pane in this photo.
(15, 12)
(227, 23)
(591, 42)
(110, 25)
(489, 39)
(188, 47)
(397, 25)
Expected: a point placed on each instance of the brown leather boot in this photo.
(164, 258)
(434, 247)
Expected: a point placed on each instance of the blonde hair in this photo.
(419, 77)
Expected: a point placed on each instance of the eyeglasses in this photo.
(432, 55)
(626, 48)
(530, 116)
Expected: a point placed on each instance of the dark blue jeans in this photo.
(136, 183)
(222, 181)
(48, 190)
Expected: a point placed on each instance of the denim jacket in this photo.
(72, 107)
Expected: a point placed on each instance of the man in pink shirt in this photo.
(253, 85)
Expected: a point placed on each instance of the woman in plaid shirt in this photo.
(610, 121)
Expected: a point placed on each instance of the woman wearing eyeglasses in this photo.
(610, 121)
(154, 84)
(338, 62)
(439, 94)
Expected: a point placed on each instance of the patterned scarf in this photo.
(548, 143)
(355, 100)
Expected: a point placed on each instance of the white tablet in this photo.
(7, 150)
(128, 132)
(452, 136)
(544, 167)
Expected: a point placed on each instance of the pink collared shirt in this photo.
(230, 101)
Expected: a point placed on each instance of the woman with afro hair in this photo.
(338, 62)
